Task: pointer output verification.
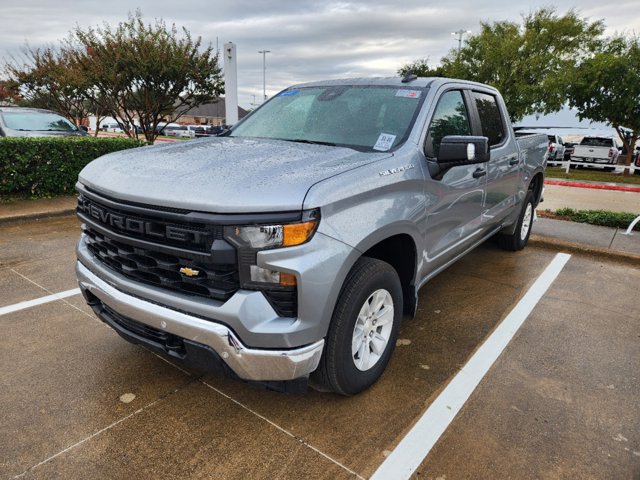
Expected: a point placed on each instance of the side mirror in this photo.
(462, 149)
(84, 127)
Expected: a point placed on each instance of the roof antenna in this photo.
(409, 77)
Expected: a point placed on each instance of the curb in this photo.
(592, 185)
(37, 216)
(581, 248)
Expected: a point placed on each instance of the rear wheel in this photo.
(519, 238)
(363, 330)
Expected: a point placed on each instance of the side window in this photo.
(490, 118)
(450, 118)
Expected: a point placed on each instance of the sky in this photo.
(308, 40)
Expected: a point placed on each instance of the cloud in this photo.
(308, 40)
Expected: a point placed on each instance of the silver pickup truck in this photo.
(290, 248)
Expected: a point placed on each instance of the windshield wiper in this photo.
(312, 142)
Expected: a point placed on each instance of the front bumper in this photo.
(247, 363)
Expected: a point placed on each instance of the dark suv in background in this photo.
(35, 122)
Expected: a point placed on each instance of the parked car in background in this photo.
(168, 129)
(556, 148)
(111, 127)
(35, 122)
(191, 131)
(604, 150)
(636, 160)
(208, 131)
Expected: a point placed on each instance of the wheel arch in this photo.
(399, 251)
(536, 185)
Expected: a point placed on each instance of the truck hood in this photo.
(221, 175)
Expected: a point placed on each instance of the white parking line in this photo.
(38, 301)
(417, 443)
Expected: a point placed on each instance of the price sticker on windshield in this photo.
(408, 93)
(385, 140)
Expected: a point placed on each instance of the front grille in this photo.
(151, 226)
(163, 270)
(181, 251)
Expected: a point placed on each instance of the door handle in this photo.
(514, 161)
(480, 172)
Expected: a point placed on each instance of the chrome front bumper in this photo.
(248, 363)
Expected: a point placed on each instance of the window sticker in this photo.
(385, 140)
(408, 93)
(289, 93)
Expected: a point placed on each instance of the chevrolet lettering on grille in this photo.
(140, 226)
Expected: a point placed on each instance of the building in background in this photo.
(208, 114)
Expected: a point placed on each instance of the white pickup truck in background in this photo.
(603, 150)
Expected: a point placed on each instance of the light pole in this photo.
(460, 33)
(264, 73)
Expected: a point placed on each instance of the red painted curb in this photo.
(593, 185)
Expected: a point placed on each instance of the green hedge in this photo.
(599, 217)
(47, 166)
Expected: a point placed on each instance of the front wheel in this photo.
(363, 330)
(519, 238)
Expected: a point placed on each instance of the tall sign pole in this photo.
(230, 84)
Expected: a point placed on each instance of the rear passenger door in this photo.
(503, 169)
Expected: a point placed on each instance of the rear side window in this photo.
(490, 118)
(450, 118)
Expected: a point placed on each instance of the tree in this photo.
(9, 92)
(606, 88)
(49, 79)
(421, 68)
(526, 63)
(147, 73)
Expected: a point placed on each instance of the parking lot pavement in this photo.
(562, 400)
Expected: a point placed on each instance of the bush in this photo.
(48, 166)
(599, 217)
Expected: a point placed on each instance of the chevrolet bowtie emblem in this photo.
(189, 272)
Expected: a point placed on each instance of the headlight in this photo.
(276, 236)
(250, 239)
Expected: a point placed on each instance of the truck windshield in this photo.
(365, 118)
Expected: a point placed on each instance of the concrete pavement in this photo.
(39, 208)
(561, 402)
(81, 403)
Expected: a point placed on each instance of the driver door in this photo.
(454, 201)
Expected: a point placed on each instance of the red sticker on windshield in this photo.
(408, 93)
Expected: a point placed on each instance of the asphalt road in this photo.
(561, 401)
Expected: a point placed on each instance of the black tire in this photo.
(519, 238)
(337, 371)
